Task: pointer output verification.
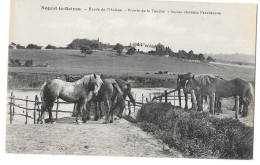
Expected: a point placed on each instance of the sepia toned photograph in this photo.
(128, 78)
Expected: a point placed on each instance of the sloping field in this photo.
(107, 62)
(120, 138)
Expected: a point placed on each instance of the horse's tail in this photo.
(42, 93)
(117, 88)
(119, 94)
(250, 93)
(129, 94)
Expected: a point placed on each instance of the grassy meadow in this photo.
(72, 62)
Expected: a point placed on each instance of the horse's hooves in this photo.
(111, 121)
(105, 122)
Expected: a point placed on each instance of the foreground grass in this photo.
(197, 135)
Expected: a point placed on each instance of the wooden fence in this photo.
(36, 108)
(174, 95)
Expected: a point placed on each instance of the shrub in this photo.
(196, 134)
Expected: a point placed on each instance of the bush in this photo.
(196, 134)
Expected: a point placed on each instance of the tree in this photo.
(86, 50)
(160, 49)
(78, 43)
(209, 59)
(32, 46)
(18, 46)
(94, 45)
(201, 57)
(50, 47)
(131, 51)
(119, 48)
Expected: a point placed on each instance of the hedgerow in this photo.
(196, 134)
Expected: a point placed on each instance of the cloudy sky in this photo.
(231, 32)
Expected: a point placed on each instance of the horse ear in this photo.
(95, 76)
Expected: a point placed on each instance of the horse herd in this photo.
(113, 92)
(206, 84)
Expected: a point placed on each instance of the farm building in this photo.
(142, 47)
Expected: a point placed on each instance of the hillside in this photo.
(234, 58)
(106, 62)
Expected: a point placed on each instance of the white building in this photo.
(142, 47)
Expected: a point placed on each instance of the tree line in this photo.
(87, 46)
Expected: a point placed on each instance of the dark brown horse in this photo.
(113, 94)
(201, 81)
(181, 84)
(80, 92)
(224, 88)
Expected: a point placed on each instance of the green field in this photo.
(109, 63)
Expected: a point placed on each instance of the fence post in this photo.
(147, 100)
(179, 95)
(142, 98)
(74, 110)
(26, 110)
(34, 110)
(165, 96)
(212, 103)
(57, 108)
(193, 100)
(134, 104)
(150, 96)
(237, 106)
(11, 106)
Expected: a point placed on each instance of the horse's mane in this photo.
(206, 79)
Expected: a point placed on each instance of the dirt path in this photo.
(120, 138)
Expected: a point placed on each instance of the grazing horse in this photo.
(80, 92)
(228, 88)
(109, 93)
(198, 82)
(126, 89)
(115, 96)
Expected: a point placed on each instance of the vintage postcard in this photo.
(131, 78)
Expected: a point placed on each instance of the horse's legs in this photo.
(217, 105)
(186, 100)
(121, 110)
(100, 110)
(206, 98)
(107, 109)
(41, 119)
(245, 108)
(86, 111)
(111, 113)
(199, 103)
(80, 106)
(96, 111)
(50, 115)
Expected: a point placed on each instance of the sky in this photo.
(233, 31)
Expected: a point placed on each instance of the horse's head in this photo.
(190, 85)
(182, 80)
(95, 83)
